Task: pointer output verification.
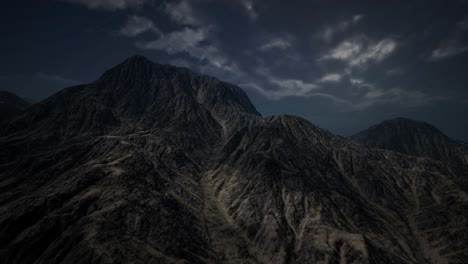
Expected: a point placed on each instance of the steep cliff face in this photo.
(413, 138)
(154, 164)
(11, 105)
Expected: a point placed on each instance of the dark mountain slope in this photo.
(134, 96)
(186, 171)
(11, 105)
(413, 138)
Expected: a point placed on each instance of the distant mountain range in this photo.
(414, 138)
(152, 163)
(11, 105)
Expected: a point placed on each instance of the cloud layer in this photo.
(329, 32)
(137, 25)
(340, 75)
(182, 13)
(360, 52)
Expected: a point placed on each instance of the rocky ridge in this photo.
(155, 164)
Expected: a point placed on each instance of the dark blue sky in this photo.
(343, 65)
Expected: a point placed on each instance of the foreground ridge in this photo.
(154, 164)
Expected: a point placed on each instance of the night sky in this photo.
(343, 65)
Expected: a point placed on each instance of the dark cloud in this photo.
(250, 8)
(358, 52)
(331, 30)
(182, 13)
(277, 43)
(453, 45)
(137, 25)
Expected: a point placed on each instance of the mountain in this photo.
(155, 164)
(11, 105)
(414, 138)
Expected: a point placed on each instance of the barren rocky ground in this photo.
(155, 164)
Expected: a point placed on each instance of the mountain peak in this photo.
(404, 120)
(131, 68)
(138, 59)
(139, 94)
(407, 123)
(411, 137)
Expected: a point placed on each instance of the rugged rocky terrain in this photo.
(11, 105)
(414, 138)
(155, 164)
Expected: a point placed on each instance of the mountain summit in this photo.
(154, 164)
(133, 96)
(413, 138)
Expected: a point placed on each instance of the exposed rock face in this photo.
(414, 138)
(11, 105)
(154, 164)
